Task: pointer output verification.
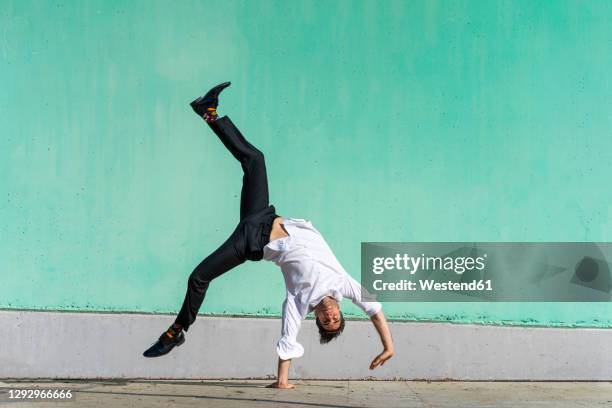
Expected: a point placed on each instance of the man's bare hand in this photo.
(276, 384)
(381, 358)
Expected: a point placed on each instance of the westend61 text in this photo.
(431, 285)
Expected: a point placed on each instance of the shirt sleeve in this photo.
(287, 346)
(353, 290)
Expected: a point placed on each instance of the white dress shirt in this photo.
(311, 272)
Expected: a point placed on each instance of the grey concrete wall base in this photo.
(98, 345)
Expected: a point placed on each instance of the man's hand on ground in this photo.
(381, 358)
(276, 384)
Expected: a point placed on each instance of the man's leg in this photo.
(229, 255)
(255, 182)
(222, 260)
(254, 196)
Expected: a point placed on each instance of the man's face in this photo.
(328, 313)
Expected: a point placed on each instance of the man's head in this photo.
(329, 319)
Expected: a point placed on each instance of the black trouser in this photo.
(253, 230)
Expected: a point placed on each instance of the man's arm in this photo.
(283, 375)
(354, 291)
(382, 328)
(288, 347)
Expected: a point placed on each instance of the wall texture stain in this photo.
(380, 121)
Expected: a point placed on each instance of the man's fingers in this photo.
(375, 363)
(379, 361)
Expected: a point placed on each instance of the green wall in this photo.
(381, 121)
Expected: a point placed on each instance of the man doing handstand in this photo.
(314, 279)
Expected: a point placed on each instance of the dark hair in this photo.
(327, 336)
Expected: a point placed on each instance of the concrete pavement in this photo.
(311, 394)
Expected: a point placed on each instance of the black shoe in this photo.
(209, 101)
(164, 345)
